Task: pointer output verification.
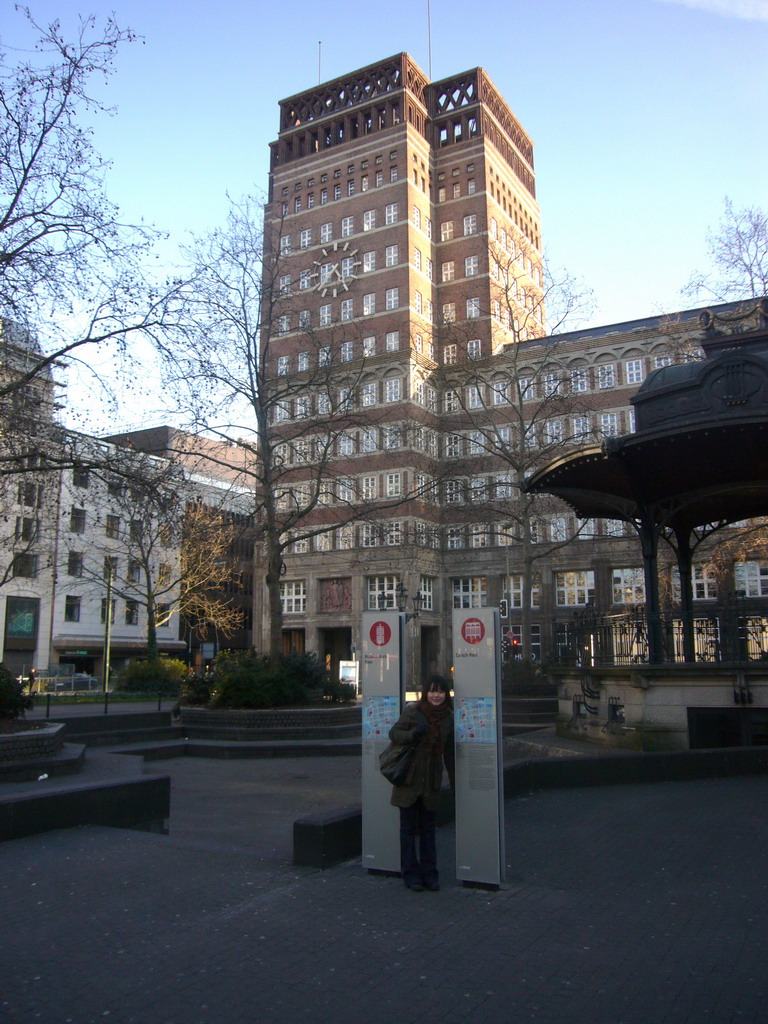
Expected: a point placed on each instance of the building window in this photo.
(305, 238)
(346, 444)
(283, 365)
(471, 266)
(25, 565)
(305, 280)
(369, 346)
(385, 586)
(393, 534)
(474, 397)
(390, 213)
(392, 340)
(450, 355)
(392, 298)
(351, 187)
(470, 592)
(470, 224)
(80, 476)
(369, 535)
(448, 271)
(454, 538)
(394, 485)
(303, 361)
(606, 375)
(609, 424)
(474, 348)
(515, 591)
(574, 588)
(751, 578)
(446, 231)
(369, 262)
(450, 401)
(112, 525)
(579, 380)
(454, 492)
(416, 217)
(131, 613)
(285, 245)
(347, 226)
(324, 317)
(346, 309)
(633, 371)
(337, 191)
(393, 390)
(112, 610)
(392, 437)
(473, 309)
(30, 494)
(628, 586)
(347, 351)
(326, 233)
(293, 597)
(418, 302)
(369, 220)
(368, 393)
(553, 432)
(77, 520)
(704, 583)
(134, 571)
(74, 563)
(452, 446)
(369, 488)
(71, 609)
(369, 439)
(369, 304)
(391, 256)
(581, 427)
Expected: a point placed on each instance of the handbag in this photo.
(394, 763)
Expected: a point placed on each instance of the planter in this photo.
(32, 744)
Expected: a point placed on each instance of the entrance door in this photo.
(336, 646)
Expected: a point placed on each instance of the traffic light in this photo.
(503, 608)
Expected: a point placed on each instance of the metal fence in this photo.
(592, 638)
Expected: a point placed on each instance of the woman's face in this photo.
(436, 696)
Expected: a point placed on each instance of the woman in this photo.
(428, 724)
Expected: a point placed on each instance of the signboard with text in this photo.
(480, 855)
(381, 684)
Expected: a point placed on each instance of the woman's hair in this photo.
(436, 682)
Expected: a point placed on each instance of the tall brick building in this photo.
(403, 222)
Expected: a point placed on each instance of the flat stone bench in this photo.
(322, 840)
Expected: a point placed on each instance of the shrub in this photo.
(338, 692)
(13, 700)
(164, 675)
(196, 689)
(245, 679)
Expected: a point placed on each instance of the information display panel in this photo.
(480, 855)
(381, 684)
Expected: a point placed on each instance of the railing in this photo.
(594, 639)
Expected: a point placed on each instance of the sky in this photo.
(644, 114)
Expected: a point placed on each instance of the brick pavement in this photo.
(623, 905)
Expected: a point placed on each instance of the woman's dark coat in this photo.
(425, 775)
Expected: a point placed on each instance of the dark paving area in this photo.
(623, 905)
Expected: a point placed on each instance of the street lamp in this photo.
(417, 602)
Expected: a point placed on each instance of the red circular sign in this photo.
(380, 634)
(472, 630)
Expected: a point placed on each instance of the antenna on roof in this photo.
(429, 39)
(319, 60)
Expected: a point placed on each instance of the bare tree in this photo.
(167, 545)
(294, 426)
(73, 276)
(516, 411)
(738, 254)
